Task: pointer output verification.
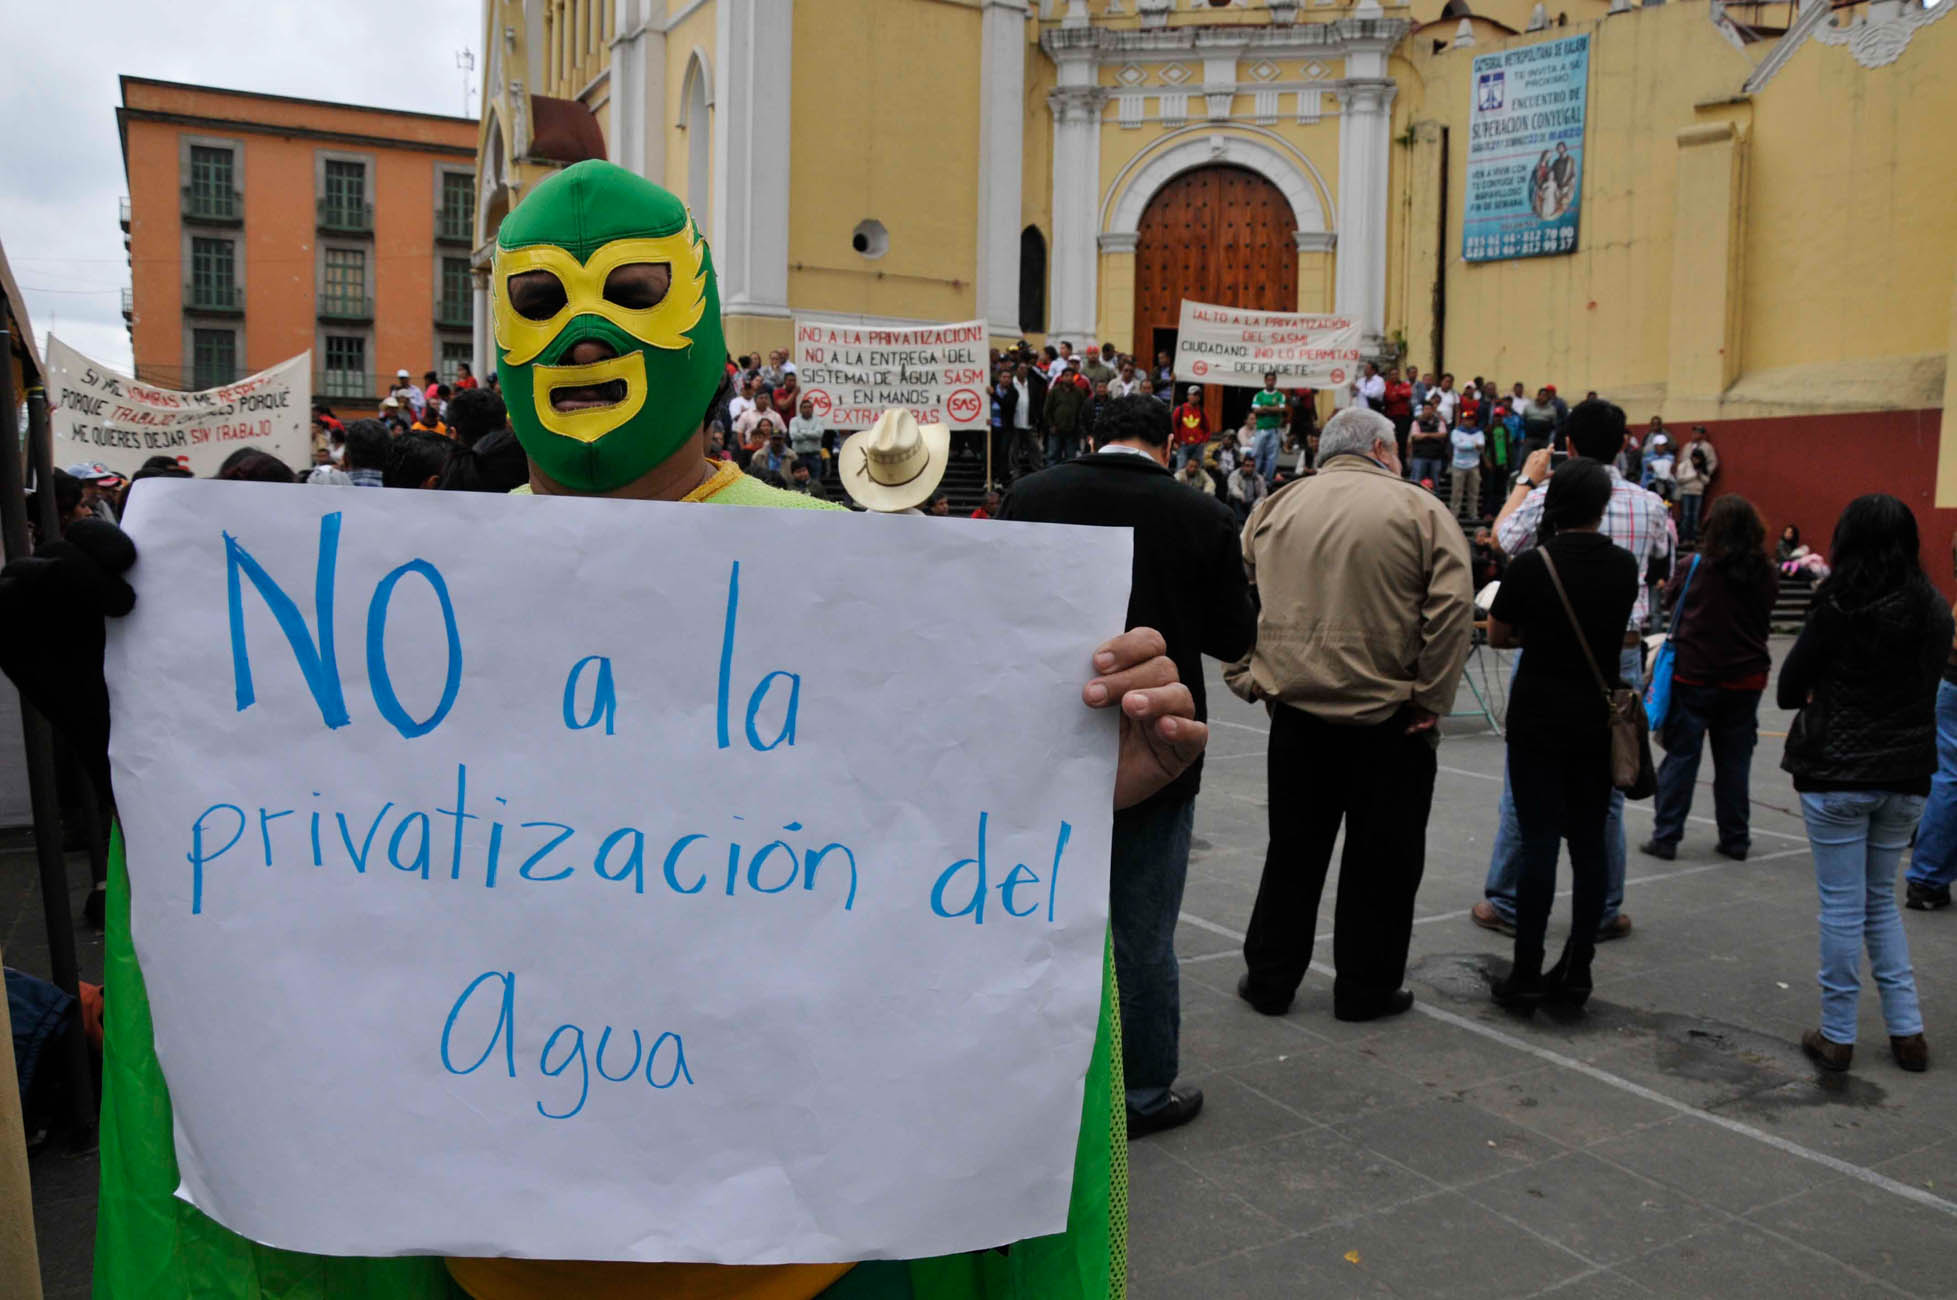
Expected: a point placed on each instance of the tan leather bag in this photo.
(1631, 768)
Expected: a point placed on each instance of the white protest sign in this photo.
(99, 414)
(1229, 345)
(852, 373)
(613, 879)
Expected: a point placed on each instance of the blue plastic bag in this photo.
(1658, 683)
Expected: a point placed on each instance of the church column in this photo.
(1117, 316)
(1365, 141)
(1002, 113)
(754, 48)
(1709, 201)
(638, 64)
(1076, 104)
(482, 351)
(1315, 271)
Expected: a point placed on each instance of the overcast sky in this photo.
(60, 153)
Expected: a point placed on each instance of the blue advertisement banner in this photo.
(1525, 151)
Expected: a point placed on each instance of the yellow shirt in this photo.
(534, 1279)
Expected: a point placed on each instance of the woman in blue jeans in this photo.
(1862, 749)
(1722, 605)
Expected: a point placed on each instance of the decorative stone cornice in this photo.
(1286, 41)
(1365, 94)
(1316, 241)
(1076, 103)
(1125, 243)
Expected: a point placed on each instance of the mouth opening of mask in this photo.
(587, 397)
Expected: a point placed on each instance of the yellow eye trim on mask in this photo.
(588, 424)
(665, 324)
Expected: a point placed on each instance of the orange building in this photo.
(261, 226)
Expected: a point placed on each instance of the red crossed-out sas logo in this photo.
(1199, 367)
(1338, 375)
(964, 405)
(818, 402)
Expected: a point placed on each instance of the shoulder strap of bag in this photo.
(1556, 580)
(1678, 610)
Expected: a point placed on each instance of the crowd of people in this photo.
(1588, 528)
(1339, 590)
(1364, 593)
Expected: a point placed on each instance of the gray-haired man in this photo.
(1367, 613)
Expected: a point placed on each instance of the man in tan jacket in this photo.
(1367, 616)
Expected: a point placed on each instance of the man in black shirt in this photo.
(1189, 584)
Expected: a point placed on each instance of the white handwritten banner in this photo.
(853, 373)
(99, 414)
(578, 879)
(1230, 345)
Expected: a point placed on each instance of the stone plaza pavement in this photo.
(1670, 1140)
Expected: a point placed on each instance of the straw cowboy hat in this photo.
(896, 463)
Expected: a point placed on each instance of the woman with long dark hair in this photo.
(1723, 602)
(1568, 600)
(1862, 749)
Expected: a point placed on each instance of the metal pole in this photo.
(88, 800)
(42, 797)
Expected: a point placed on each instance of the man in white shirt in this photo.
(756, 425)
(743, 401)
(1369, 390)
(1450, 401)
(1059, 365)
(1127, 383)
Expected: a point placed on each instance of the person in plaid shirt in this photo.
(1638, 521)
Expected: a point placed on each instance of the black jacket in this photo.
(1188, 574)
(1865, 681)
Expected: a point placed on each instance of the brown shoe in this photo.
(1484, 915)
(1912, 1053)
(1615, 928)
(1826, 1052)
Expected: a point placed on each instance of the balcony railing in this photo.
(128, 302)
(453, 226)
(345, 306)
(225, 299)
(347, 383)
(122, 212)
(343, 216)
(454, 313)
(214, 206)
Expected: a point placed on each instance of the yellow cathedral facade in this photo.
(1766, 190)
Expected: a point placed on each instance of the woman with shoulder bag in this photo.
(1723, 604)
(1862, 749)
(1567, 600)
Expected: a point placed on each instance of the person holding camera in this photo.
(1694, 475)
(1569, 598)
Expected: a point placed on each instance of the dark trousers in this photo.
(1558, 797)
(1379, 782)
(1732, 719)
(1146, 871)
(1690, 507)
(1402, 430)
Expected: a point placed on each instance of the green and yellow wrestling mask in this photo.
(607, 317)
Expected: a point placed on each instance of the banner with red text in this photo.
(852, 373)
(99, 414)
(1231, 345)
